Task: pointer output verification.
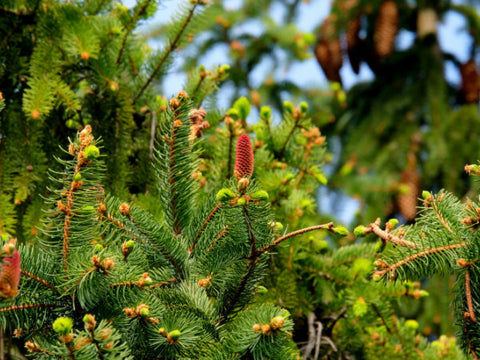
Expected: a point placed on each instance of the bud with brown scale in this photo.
(124, 209)
(108, 264)
(266, 329)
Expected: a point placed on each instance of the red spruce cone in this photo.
(244, 158)
(386, 28)
(354, 44)
(328, 50)
(10, 276)
(407, 203)
(470, 82)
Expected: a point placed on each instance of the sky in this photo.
(452, 34)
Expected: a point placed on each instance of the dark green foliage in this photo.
(171, 287)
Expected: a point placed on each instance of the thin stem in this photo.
(167, 53)
(95, 342)
(205, 224)
(380, 315)
(230, 151)
(284, 146)
(468, 295)
(413, 257)
(27, 306)
(130, 27)
(40, 280)
(219, 236)
(327, 226)
(152, 133)
(390, 237)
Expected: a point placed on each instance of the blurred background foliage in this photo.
(407, 121)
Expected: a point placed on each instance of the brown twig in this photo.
(413, 257)
(440, 216)
(327, 226)
(219, 236)
(468, 295)
(27, 306)
(389, 237)
(40, 280)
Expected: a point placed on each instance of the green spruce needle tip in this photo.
(392, 223)
(144, 312)
(261, 289)
(424, 293)
(340, 230)
(234, 113)
(265, 113)
(359, 230)
(175, 335)
(303, 107)
(360, 307)
(92, 152)
(260, 195)
(129, 244)
(278, 226)
(63, 325)
(88, 318)
(225, 195)
(98, 248)
(241, 201)
(362, 266)
(426, 194)
(411, 324)
(288, 106)
(243, 107)
(77, 176)
(88, 209)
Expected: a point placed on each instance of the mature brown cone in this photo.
(407, 203)
(328, 50)
(470, 82)
(386, 28)
(354, 44)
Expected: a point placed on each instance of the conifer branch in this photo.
(470, 345)
(205, 224)
(163, 283)
(440, 216)
(171, 48)
(252, 261)
(468, 295)
(380, 315)
(394, 267)
(27, 306)
(176, 221)
(284, 146)
(375, 228)
(230, 151)
(164, 252)
(40, 280)
(219, 236)
(130, 27)
(95, 342)
(328, 226)
(329, 277)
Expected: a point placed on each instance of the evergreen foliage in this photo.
(442, 241)
(110, 280)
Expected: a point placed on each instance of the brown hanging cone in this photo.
(328, 50)
(470, 82)
(354, 44)
(386, 28)
(407, 203)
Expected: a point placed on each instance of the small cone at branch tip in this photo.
(244, 158)
(10, 275)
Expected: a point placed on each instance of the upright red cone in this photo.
(244, 158)
(10, 275)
